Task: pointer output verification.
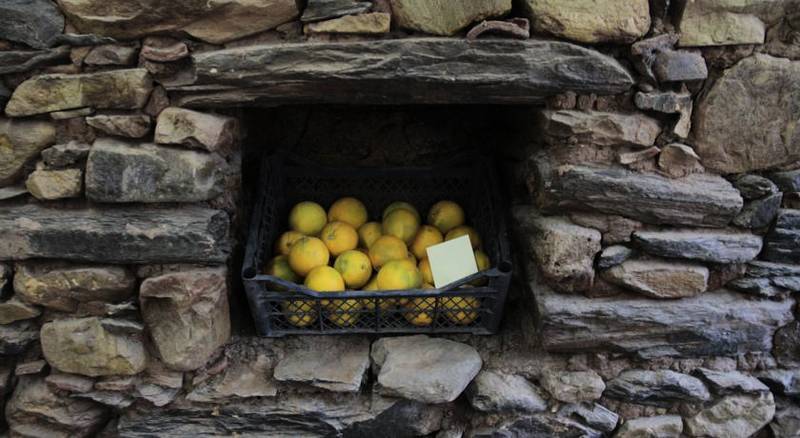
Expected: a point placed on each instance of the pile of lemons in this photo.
(341, 250)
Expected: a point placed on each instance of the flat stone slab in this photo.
(430, 370)
(662, 426)
(658, 388)
(707, 246)
(782, 243)
(115, 235)
(332, 363)
(730, 382)
(400, 71)
(493, 391)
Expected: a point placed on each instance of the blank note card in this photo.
(451, 261)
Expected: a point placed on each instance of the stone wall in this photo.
(654, 165)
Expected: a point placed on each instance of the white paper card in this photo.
(451, 261)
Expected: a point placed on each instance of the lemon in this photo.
(412, 258)
(344, 313)
(279, 267)
(400, 205)
(369, 303)
(339, 237)
(306, 254)
(369, 233)
(401, 223)
(482, 260)
(300, 313)
(426, 236)
(285, 242)
(446, 215)
(324, 279)
(307, 218)
(348, 210)
(399, 275)
(425, 269)
(372, 284)
(461, 310)
(386, 249)
(465, 230)
(420, 311)
(355, 268)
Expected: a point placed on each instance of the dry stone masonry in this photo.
(651, 162)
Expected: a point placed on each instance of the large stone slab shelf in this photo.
(404, 71)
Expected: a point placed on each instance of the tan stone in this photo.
(679, 160)
(20, 142)
(659, 279)
(719, 23)
(55, 184)
(445, 17)
(13, 310)
(115, 89)
(590, 21)
(94, 346)
(597, 128)
(195, 129)
(370, 23)
(132, 126)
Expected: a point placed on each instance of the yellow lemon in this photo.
(344, 313)
(482, 260)
(461, 310)
(412, 258)
(386, 249)
(279, 267)
(401, 223)
(425, 269)
(446, 215)
(465, 230)
(285, 242)
(307, 254)
(400, 205)
(348, 210)
(369, 233)
(307, 218)
(300, 313)
(339, 311)
(420, 311)
(399, 275)
(369, 303)
(339, 237)
(324, 279)
(426, 236)
(355, 268)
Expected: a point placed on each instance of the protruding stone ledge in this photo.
(401, 71)
(115, 235)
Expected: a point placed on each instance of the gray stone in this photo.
(249, 373)
(786, 421)
(615, 229)
(730, 137)
(510, 71)
(760, 268)
(787, 345)
(112, 54)
(590, 21)
(72, 114)
(657, 388)
(597, 128)
(703, 245)
(782, 382)
(646, 51)
(730, 382)
(114, 235)
(735, 416)
(715, 23)
(628, 159)
(336, 364)
(563, 251)
(30, 368)
(755, 186)
(58, 381)
(493, 391)
(33, 22)
(16, 337)
(669, 102)
(187, 315)
(131, 126)
(19, 61)
(613, 255)
(591, 414)
(318, 10)
(194, 129)
(372, 23)
(449, 367)
(788, 181)
(163, 49)
(11, 192)
(65, 154)
(699, 199)
(573, 386)
(36, 411)
(537, 426)
(94, 346)
(20, 143)
(13, 310)
(445, 17)
(47, 185)
(782, 243)
(512, 28)
(759, 213)
(62, 286)
(118, 171)
(659, 279)
(678, 160)
(402, 418)
(661, 426)
(58, 92)
(761, 287)
(679, 66)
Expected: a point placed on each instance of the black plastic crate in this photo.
(457, 308)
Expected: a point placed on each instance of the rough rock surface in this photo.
(787, 345)
(118, 171)
(215, 21)
(36, 23)
(365, 24)
(450, 366)
(48, 185)
(680, 65)
(112, 55)
(707, 246)
(65, 154)
(735, 416)
(598, 128)
(445, 17)
(20, 142)
(730, 382)
(699, 199)
(432, 70)
(493, 391)
(679, 160)
(659, 279)
(540, 425)
(187, 315)
(788, 181)
(313, 365)
(58, 92)
(573, 386)
(759, 213)
(591, 414)
(658, 388)
(661, 426)
(114, 235)
(19, 61)
(318, 10)
(248, 372)
(563, 251)
(786, 422)
(63, 286)
(13, 310)
(781, 243)
(94, 346)
(612, 256)
(131, 126)
(586, 21)
(195, 129)
(615, 229)
(730, 136)
(782, 382)
(669, 102)
(16, 337)
(754, 186)
(716, 23)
